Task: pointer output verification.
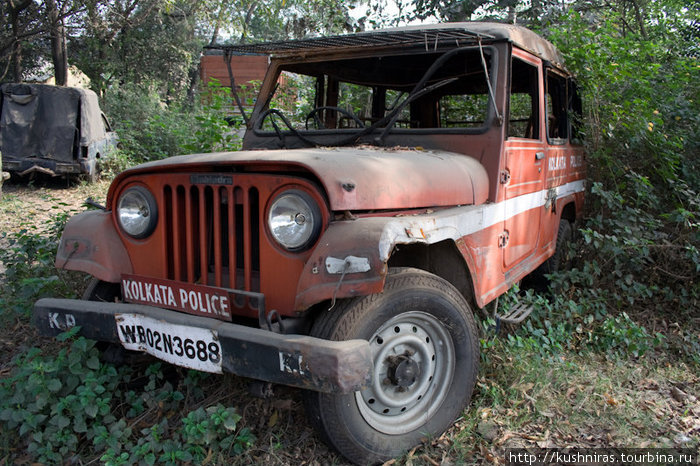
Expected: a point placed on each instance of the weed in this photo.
(71, 405)
(30, 272)
(150, 130)
(53, 402)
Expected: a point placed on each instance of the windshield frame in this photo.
(279, 65)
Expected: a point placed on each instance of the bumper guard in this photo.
(294, 360)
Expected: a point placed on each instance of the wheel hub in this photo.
(403, 371)
(414, 363)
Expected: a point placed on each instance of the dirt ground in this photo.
(27, 203)
(35, 202)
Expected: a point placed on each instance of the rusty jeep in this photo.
(392, 183)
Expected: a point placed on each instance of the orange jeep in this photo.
(392, 183)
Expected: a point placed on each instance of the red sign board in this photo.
(198, 300)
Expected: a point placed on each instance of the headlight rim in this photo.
(313, 204)
(153, 211)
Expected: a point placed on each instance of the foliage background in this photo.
(632, 300)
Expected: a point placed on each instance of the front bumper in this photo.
(295, 360)
(41, 165)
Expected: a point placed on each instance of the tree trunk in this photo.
(16, 58)
(640, 20)
(247, 20)
(536, 11)
(217, 24)
(59, 53)
(512, 15)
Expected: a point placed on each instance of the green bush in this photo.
(639, 246)
(150, 129)
(30, 273)
(642, 233)
(70, 406)
(620, 334)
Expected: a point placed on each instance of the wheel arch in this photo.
(443, 259)
(568, 212)
(380, 243)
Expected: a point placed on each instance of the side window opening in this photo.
(523, 119)
(463, 110)
(557, 109)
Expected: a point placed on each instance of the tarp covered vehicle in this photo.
(53, 130)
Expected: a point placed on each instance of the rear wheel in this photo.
(560, 260)
(425, 353)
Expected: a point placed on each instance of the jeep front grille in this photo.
(212, 235)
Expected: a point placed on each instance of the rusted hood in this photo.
(359, 178)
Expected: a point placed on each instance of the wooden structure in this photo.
(246, 69)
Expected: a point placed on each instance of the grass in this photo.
(577, 400)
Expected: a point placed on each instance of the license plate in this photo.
(191, 347)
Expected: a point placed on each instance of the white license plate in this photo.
(191, 347)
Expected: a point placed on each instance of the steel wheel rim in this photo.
(414, 363)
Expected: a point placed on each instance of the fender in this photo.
(351, 244)
(351, 257)
(91, 244)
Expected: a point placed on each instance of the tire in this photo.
(425, 349)
(98, 290)
(107, 292)
(560, 260)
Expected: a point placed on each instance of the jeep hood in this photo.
(356, 178)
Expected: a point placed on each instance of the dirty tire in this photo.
(560, 260)
(97, 290)
(107, 292)
(425, 349)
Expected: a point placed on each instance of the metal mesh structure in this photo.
(428, 36)
(392, 37)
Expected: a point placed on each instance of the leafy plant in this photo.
(29, 262)
(71, 405)
(53, 402)
(150, 129)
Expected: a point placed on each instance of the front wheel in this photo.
(425, 353)
(107, 292)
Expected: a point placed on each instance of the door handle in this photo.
(539, 155)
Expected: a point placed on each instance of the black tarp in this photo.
(38, 120)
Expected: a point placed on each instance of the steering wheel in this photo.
(319, 124)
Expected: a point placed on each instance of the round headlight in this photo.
(294, 220)
(137, 212)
